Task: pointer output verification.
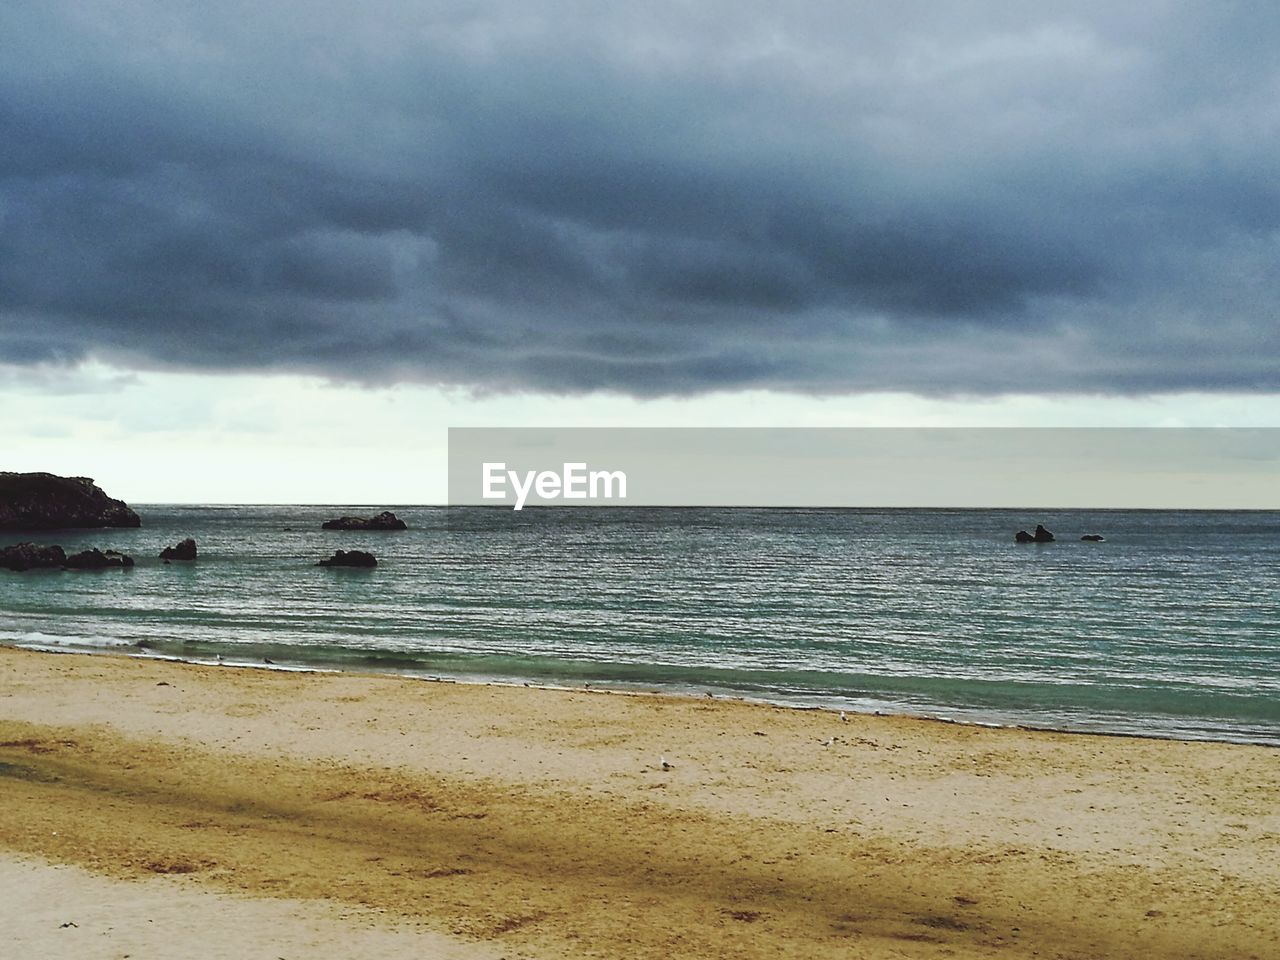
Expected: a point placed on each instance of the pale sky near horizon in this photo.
(252, 438)
(995, 467)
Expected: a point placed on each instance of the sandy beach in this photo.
(383, 816)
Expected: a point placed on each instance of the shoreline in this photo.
(544, 822)
(832, 704)
(898, 615)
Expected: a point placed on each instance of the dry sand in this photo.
(469, 821)
(64, 911)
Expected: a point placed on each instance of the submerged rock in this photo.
(31, 556)
(350, 558)
(43, 501)
(96, 559)
(1093, 537)
(386, 520)
(186, 550)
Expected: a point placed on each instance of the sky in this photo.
(1008, 467)
(269, 252)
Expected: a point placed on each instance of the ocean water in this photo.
(1170, 628)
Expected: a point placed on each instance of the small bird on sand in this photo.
(828, 742)
(662, 762)
(843, 717)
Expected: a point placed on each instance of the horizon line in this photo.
(690, 506)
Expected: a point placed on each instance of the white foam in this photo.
(34, 639)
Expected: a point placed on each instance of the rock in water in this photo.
(1093, 537)
(186, 550)
(350, 558)
(386, 520)
(1040, 536)
(43, 501)
(96, 559)
(30, 556)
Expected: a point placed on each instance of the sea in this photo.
(1170, 627)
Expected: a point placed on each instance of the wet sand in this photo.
(517, 822)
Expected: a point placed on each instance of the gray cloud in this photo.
(667, 198)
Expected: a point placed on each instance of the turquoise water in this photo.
(1171, 627)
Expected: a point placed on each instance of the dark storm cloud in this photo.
(655, 198)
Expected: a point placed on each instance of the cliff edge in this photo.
(43, 501)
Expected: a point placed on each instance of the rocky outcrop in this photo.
(31, 556)
(1040, 536)
(350, 558)
(1093, 537)
(43, 501)
(386, 520)
(186, 550)
(96, 559)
